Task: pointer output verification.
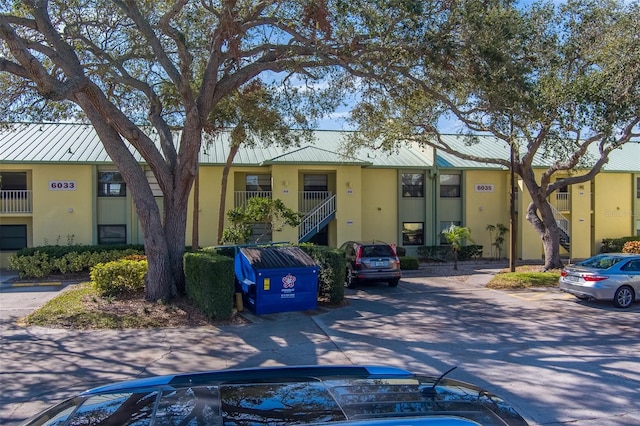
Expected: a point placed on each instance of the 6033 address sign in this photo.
(62, 185)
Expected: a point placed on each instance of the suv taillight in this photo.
(359, 256)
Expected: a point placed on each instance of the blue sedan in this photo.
(279, 396)
(608, 276)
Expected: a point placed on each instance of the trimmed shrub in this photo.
(631, 247)
(472, 251)
(408, 263)
(436, 253)
(210, 283)
(119, 277)
(615, 245)
(333, 266)
(38, 265)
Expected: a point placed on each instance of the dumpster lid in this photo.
(277, 257)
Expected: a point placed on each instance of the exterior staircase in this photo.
(563, 225)
(317, 218)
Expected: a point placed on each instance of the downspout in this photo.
(435, 238)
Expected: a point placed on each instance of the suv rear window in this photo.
(377, 250)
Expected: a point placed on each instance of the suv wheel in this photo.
(394, 282)
(350, 280)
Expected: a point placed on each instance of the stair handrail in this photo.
(561, 220)
(314, 218)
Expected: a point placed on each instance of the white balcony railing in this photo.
(16, 201)
(309, 200)
(562, 201)
(241, 197)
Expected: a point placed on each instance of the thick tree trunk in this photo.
(547, 228)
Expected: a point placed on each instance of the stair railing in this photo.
(312, 220)
(561, 220)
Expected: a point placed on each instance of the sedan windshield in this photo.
(601, 262)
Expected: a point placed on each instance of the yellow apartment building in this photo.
(58, 186)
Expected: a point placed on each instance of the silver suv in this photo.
(371, 261)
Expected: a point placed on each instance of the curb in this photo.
(38, 284)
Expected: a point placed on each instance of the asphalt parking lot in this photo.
(557, 360)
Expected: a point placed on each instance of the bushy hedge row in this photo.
(615, 245)
(37, 264)
(442, 253)
(59, 251)
(210, 283)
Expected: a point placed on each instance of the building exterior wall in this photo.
(379, 206)
(486, 203)
(369, 205)
(63, 216)
(613, 207)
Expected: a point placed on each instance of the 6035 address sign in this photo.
(484, 187)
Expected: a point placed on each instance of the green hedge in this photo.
(333, 267)
(38, 264)
(408, 263)
(443, 253)
(119, 277)
(614, 245)
(60, 251)
(210, 283)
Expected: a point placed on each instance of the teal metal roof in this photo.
(78, 143)
(624, 159)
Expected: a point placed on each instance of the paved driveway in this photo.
(555, 359)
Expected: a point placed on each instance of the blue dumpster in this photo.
(277, 279)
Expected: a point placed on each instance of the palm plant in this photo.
(456, 236)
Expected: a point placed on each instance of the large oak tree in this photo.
(148, 75)
(554, 84)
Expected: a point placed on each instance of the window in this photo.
(638, 187)
(316, 182)
(450, 186)
(413, 233)
(258, 183)
(13, 181)
(111, 184)
(112, 234)
(13, 237)
(444, 226)
(412, 185)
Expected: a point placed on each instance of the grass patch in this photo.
(524, 278)
(81, 307)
